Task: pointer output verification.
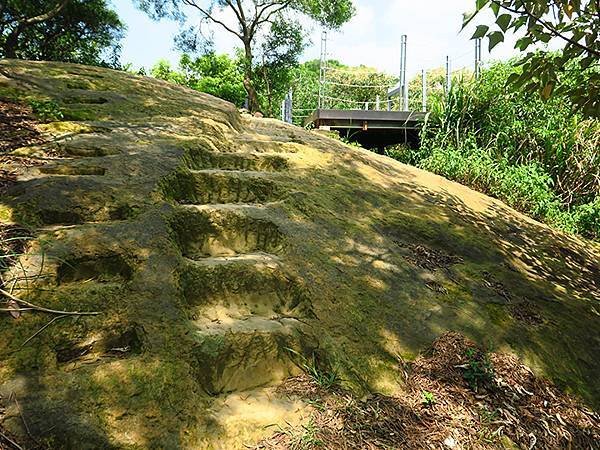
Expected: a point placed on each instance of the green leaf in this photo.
(503, 21)
(496, 8)
(495, 38)
(480, 32)
(481, 4)
(512, 78)
(519, 22)
(587, 62)
(523, 43)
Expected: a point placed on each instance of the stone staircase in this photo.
(247, 312)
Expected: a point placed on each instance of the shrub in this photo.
(46, 110)
(587, 219)
(478, 370)
(539, 157)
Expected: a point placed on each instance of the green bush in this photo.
(46, 110)
(587, 219)
(539, 157)
(478, 370)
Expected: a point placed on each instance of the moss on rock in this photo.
(340, 255)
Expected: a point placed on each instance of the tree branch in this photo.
(548, 26)
(258, 21)
(239, 14)
(42, 309)
(43, 17)
(209, 16)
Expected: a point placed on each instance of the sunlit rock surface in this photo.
(224, 252)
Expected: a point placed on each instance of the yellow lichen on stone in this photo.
(226, 253)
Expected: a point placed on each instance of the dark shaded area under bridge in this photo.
(371, 129)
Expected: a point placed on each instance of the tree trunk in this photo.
(12, 42)
(253, 104)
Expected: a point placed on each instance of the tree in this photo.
(280, 52)
(218, 75)
(575, 24)
(346, 87)
(78, 31)
(255, 19)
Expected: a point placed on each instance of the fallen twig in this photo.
(42, 329)
(10, 441)
(48, 310)
(23, 419)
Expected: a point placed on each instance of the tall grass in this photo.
(539, 157)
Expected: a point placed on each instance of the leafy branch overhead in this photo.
(80, 31)
(256, 23)
(573, 24)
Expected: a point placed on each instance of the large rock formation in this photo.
(224, 252)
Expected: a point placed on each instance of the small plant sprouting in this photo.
(306, 437)
(46, 110)
(478, 371)
(326, 379)
(428, 399)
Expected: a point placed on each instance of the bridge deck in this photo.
(371, 128)
(366, 120)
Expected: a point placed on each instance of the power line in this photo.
(353, 71)
(382, 86)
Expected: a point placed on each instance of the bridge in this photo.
(372, 129)
(376, 123)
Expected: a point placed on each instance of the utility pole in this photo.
(323, 69)
(424, 89)
(477, 57)
(403, 91)
(448, 75)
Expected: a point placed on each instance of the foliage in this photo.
(305, 86)
(306, 437)
(280, 52)
(79, 31)
(46, 110)
(435, 84)
(537, 156)
(478, 370)
(325, 378)
(428, 398)
(346, 87)
(573, 23)
(352, 87)
(261, 24)
(218, 75)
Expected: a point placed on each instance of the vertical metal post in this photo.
(323, 69)
(448, 75)
(377, 103)
(424, 89)
(403, 91)
(366, 106)
(405, 77)
(477, 57)
(289, 106)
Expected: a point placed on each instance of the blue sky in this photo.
(372, 37)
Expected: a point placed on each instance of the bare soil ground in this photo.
(476, 401)
(18, 129)
(17, 126)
